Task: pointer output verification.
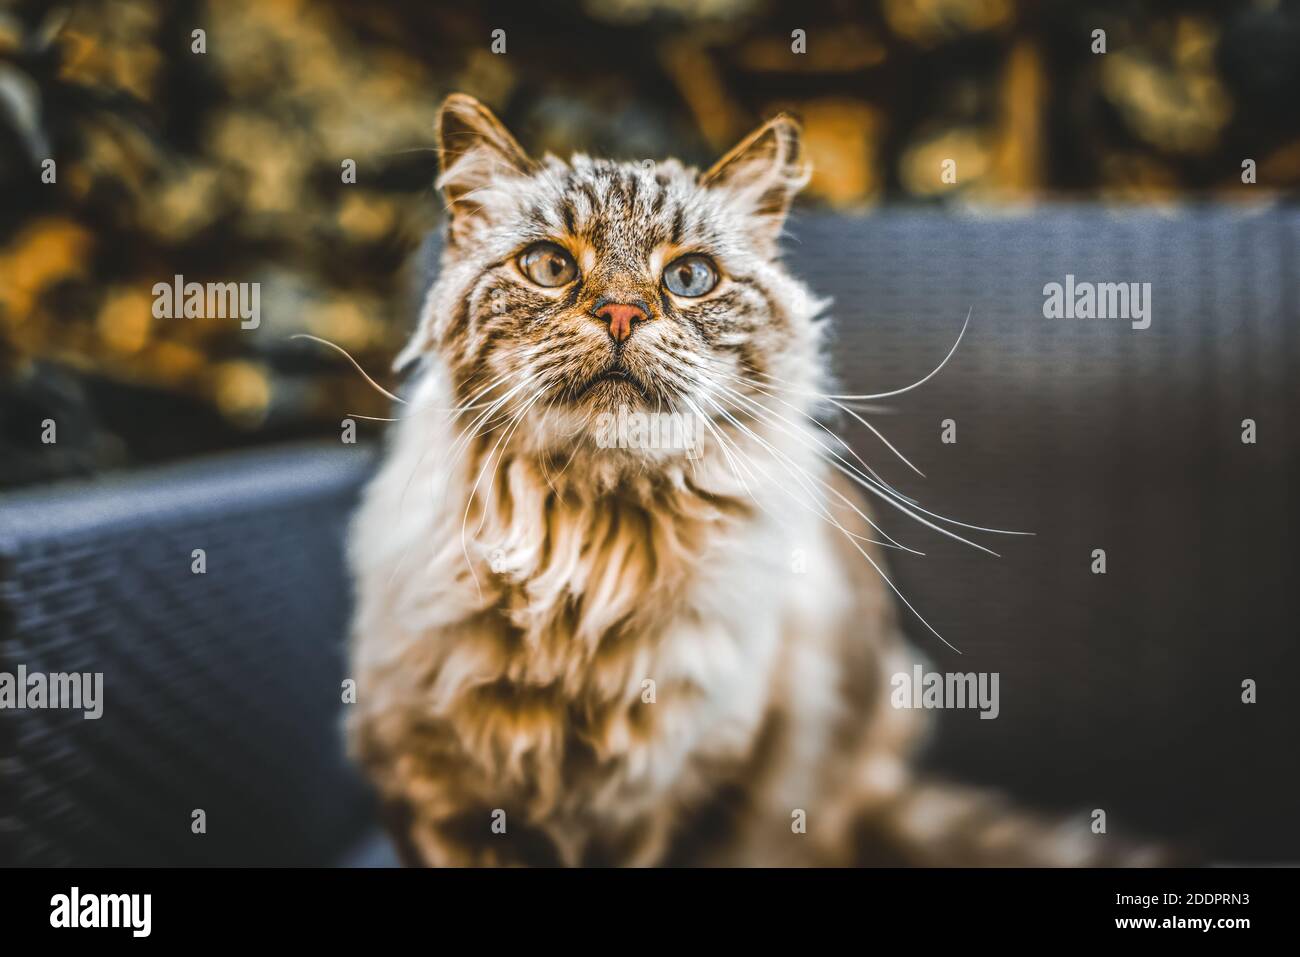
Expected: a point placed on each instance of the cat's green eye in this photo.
(691, 276)
(548, 265)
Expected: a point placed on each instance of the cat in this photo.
(578, 653)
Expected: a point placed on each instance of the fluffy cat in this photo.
(574, 654)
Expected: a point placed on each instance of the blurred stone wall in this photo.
(226, 165)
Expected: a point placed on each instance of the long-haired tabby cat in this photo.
(571, 653)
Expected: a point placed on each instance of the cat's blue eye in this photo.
(548, 265)
(691, 276)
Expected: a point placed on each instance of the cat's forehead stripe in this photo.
(625, 210)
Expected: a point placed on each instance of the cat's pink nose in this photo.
(621, 316)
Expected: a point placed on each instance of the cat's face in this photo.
(593, 286)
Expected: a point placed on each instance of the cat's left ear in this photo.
(475, 149)
(763, 172)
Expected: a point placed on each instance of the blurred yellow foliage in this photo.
(1180, 106)
(841, 137)
(124, 320)
(242, 391)
(43, 252)
(929, 22)
(923, 164)
(112, 46)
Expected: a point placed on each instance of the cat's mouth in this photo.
(616, 381)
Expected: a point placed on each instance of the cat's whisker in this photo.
(480, 427)
(502, 444)
(453, 411)
(907, 510)
(874, 431)
(825, 450)
(795, 472)
(869, 409)
(882, 491)
(886, 490)
(493, 419)
(473, 494)
(541, 459)
(421, 409)
(416, 411)
(800, 474)
(894, 588)
(802, 437)
(356, 365)
(726, 450)
(849, 448)
(471, 403)
(673, 410)
(889, 542)
(901, 597)
(804, 477)
(558, 394)
(406, 487)
(455, 455)
(919, 382)
(460, 443)
(456, 411)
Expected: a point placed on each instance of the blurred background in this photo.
(225, 165)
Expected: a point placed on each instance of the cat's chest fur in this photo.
(567, 657)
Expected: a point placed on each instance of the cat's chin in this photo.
(612, 390)
(614, 432)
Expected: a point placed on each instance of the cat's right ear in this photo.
(762, 173)
(474, 150)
